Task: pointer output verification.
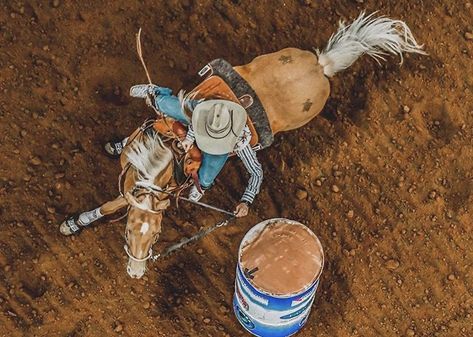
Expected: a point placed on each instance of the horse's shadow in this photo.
(348, 101)
(188, 285)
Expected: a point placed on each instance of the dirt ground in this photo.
(385, 171)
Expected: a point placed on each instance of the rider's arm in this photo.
(248, 157)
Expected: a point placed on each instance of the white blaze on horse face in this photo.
(144, 228)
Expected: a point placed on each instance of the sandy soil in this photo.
(383, 176)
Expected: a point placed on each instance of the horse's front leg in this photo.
(73, 226)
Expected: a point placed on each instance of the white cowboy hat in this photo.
(217, 125)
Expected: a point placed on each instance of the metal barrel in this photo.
(264, 314)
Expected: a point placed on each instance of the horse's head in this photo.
(142, 229)
(150, 174)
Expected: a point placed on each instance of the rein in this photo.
(195, 237)
(156, 189)
(153, 190)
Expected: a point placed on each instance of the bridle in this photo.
(143, 189)
(127, 250)
(137, 192)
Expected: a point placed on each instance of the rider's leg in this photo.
(171, 106)
(210, 168)
(208, 171)
(165, 101)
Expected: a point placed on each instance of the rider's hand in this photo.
(241, 210)
(186, 144)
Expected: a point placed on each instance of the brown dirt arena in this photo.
(383, 176)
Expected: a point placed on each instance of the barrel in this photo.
(279, 266)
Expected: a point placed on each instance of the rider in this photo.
(218, 127)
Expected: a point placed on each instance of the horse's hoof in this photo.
(69, 227)
(64, 229)
(114, 149)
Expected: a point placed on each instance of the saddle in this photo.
(188, 164)
(214, 87)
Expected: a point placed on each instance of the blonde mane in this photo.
(149, 157)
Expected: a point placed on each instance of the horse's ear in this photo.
(161, 204)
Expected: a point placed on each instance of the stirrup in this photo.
(195, 194)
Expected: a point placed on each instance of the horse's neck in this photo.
(131, 175)
(166, 178)
(161, 180)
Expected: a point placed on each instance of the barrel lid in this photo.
(281, 257)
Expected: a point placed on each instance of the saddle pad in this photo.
(241, 88)
(214, 87)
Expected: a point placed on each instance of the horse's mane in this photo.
(149, 157)
(188, 100)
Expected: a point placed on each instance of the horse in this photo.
(293, 86)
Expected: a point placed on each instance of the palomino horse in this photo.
(293, 87)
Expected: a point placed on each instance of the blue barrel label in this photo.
(300, 300)
(298, 312)
(245, 320)
(250, 293)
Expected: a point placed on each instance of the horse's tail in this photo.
(367, 35)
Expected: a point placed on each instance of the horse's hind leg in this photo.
(71, 226)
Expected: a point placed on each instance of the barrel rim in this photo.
(262, 225)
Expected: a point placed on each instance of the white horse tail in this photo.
(367, 35)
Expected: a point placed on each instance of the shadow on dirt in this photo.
(112, 94)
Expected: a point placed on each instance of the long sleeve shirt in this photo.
(170, 105)
(245, 152)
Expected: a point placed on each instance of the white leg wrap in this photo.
(87, 218)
